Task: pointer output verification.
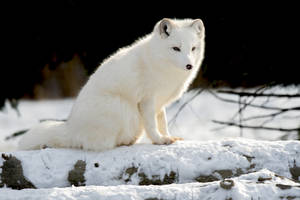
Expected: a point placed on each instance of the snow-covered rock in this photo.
(232, 168)
(246, 187)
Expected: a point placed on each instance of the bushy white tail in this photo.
(48, 133)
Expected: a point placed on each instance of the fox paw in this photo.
(168, 140)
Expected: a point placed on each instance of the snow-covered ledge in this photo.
(184, 163)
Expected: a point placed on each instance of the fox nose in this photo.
(189, 66)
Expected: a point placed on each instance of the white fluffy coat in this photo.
(128, 93)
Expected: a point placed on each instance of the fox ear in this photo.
(165, 27)
(198, 25)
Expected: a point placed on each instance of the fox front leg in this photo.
(163, 124)
(147, 111)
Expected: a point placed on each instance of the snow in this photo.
(243, 189)
(200, 112)
(48, 168)
(31, 112)
(194, 122)
(207, 148)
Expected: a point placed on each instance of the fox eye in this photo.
(193, 49)
(176, 48)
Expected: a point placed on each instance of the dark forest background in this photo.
(246, 45)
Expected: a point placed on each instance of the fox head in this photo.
(180, 43)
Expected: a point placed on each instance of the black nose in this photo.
(189, 67)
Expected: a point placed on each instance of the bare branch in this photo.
(184, 104)
(257, 94)
(263, 116)
(283, 110)
(256, 127)
(240, 114)
(251, 105)
(242, 108)
(16, 134)
(268, 120)
(243, 103)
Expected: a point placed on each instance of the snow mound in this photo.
(145, 164)
(259, 185)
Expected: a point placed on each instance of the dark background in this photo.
(246, 45)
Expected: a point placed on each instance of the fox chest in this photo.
(167, 91)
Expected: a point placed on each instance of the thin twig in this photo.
(251, 105)
(268, 120)
(257, 127)
(258, 95)
(272, 114)
(241, 109)
(184, 104)
(240, 113)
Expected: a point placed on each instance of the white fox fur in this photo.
(128, 93)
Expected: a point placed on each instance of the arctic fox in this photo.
(128, 93)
